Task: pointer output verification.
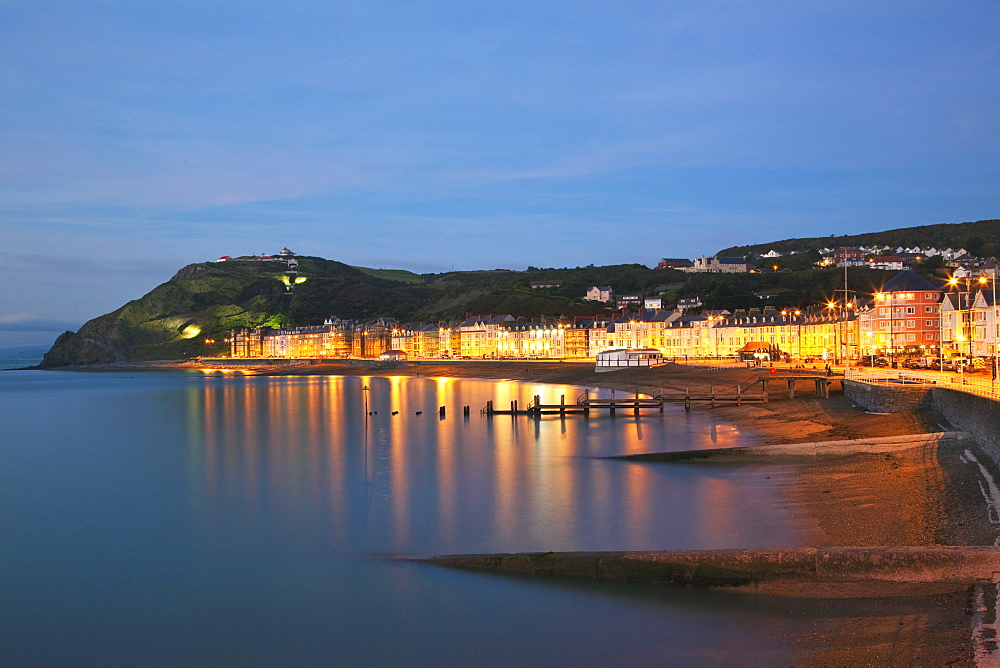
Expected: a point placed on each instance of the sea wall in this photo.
(977, 415)
(887, 398)
(980, 416)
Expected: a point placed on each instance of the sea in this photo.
(194, 518)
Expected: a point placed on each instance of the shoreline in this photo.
(927, 495)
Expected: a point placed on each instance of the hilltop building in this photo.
(718, 265)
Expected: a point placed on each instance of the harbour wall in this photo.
(884, 398)
(977, 415)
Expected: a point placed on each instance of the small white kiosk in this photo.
(624, 358)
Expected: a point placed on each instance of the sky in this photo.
(139, 137)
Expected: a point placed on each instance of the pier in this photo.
(583, 405)
(636, 404)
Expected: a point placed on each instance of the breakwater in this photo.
(752, 570)
(815, 449)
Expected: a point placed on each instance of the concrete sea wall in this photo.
(888, 398)
(979, 416)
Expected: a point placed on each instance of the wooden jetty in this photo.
(585, 405)
(821, 381)
(714, 398)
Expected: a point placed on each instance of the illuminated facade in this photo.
(903, 318)
(907, 316)
(480, 335)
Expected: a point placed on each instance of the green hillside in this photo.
(980, 238)
(399, 275)
(193, 312)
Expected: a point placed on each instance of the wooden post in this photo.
(441, 412)
(763, 383)
(636, 408)
(687, 398)
(712, 388)
(465, 411)
(738, 400)
(538, 404)
(791, 388)
(562, 404)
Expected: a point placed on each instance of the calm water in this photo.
(175, 518)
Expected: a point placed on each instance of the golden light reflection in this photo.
(300, 449)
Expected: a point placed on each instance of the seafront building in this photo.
(908, 316)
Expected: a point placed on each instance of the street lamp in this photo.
(798, 331)
(832, 306)
(967, 334)
(982, 280)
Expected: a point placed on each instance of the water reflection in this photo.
(300, 461)
(224, 518)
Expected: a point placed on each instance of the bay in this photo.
(198, 519)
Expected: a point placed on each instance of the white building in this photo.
(622, 358)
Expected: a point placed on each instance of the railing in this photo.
(985, 387)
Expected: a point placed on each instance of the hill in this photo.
(980, 238)
(193, 312)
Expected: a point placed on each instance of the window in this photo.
(910, 324)
(927, 309)
(929, 323)
(910, 310)
(928, 295)
(911, 337)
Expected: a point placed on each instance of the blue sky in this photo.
(139, 137)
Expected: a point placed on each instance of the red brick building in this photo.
(903, 317)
